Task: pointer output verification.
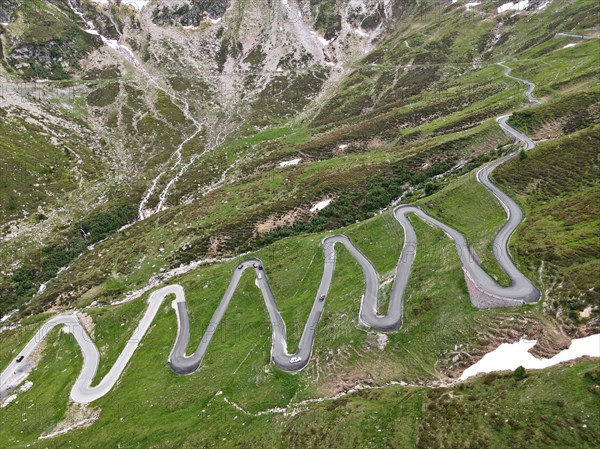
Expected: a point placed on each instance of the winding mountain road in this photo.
(528, 93)
(520, 291)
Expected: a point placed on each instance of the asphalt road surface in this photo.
(521, 290)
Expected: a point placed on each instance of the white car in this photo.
(295, 359)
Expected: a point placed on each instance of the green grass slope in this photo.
(401, 129)
(400, 140)
(442, 332)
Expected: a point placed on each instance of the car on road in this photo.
(322, 298)
(20, 358)
(260, 267)
(295, 359)
(240, 266)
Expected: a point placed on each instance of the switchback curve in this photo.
(521, 290)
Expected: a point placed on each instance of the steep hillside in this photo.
(152, 95)
(228, 205)
(163, 145)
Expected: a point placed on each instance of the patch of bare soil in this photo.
(277, 221)
(343, 148)
(587, 312)
(342, 369)
(87, 322)
(550, 130)
(215, 245)
(63, 301)
(346, 381)
(91, 293)
(35, 356)
(78, 416)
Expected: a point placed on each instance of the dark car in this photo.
(322, 298)
(21, 357)
(240, 266)
(260, 267)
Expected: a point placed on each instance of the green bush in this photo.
(522, 120)
(432, 187)
(101, 225)
(519, 373)
(104, 96)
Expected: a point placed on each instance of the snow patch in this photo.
(42, 288)
(320, 205)
(544, 5)
(517, 6)
(290, 163)
(587, 312)
(7, 316)
(509, 356)
(8, 400)
(569, 45)
(471, 5)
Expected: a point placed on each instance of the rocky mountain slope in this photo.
(148, 95)
(155, 144)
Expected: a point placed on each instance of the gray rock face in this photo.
(7, 10)
(189, 14)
